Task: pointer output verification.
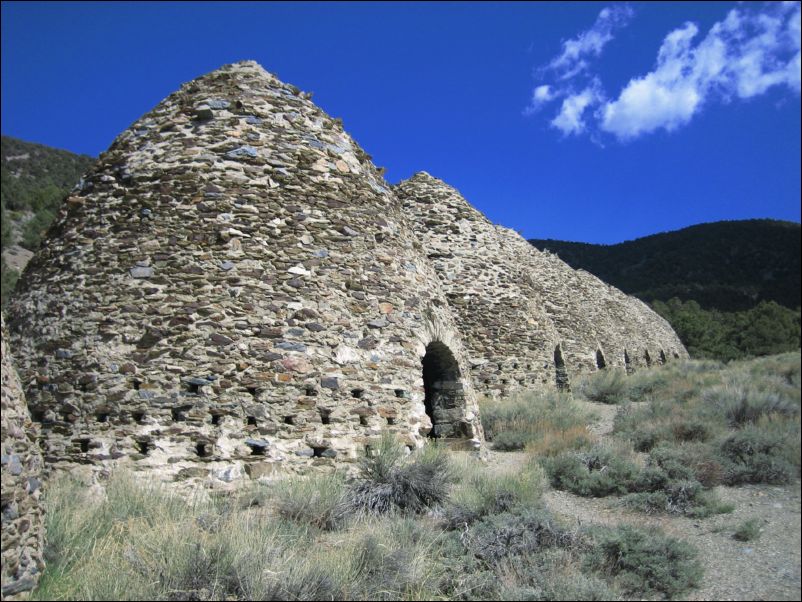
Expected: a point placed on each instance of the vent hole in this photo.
(320, 452)
(251, 420)
(289, 420)
(136, 385)
(179, 414)
(363, 420)
(202, 449)
(37, 415)
(325, 416)
(101, 417)
(194, 389)
(216, 419)
(143, 447)
(311, 391)
(253, 391)
(400, 393)
(138, 417)
(83, 445)
(357, 393)
(257, 450)
(390, 420)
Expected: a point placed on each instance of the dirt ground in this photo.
(767, 568)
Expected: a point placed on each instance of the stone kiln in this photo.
(234, 288)
(526, 317)
(23, 528)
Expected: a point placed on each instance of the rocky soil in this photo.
(767, 568)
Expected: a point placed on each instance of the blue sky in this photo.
(595, 122)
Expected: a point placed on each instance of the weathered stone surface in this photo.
(21, 464)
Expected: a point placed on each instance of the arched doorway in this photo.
(444, 395)
(561, 374)
(663, 358)
(627, 363)
(601, 364)
(647, 358)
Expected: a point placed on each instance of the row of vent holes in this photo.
(179, 416)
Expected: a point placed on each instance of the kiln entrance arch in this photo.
(561, 374)
(444, 395)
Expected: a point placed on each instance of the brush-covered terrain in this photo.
(729, 289)
(677, 482)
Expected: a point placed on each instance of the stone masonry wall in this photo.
(23, 527)
(233, 288)
(515, 304)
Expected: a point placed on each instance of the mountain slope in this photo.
(729, 266)
(35, 179)
(729, 289)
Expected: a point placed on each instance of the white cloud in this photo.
(571, 60)
(542, 94)
(743, 55)
(751, 50)
(569, 120)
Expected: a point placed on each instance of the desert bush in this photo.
(743, 404)
(748, 530)
(389, 482)
(690, 430)
(554, 442)
(753, 455)
(319, 500)
(554, 574)
(605, 386)
(645, 562)
(519, 532)
(532, 417)
(598, 472)
(482, 492)
(644, 383)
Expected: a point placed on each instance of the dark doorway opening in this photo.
(601, 364)
(627, 363)
(561, 374)
(663, 359)
(444, 396)
(647, 358)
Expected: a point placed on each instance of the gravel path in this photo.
(767, 568)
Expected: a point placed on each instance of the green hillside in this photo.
(730, 289)
(35, 180)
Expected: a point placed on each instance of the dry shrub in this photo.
(553, 440)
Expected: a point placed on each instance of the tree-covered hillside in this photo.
(35, 180)
(729, 289)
